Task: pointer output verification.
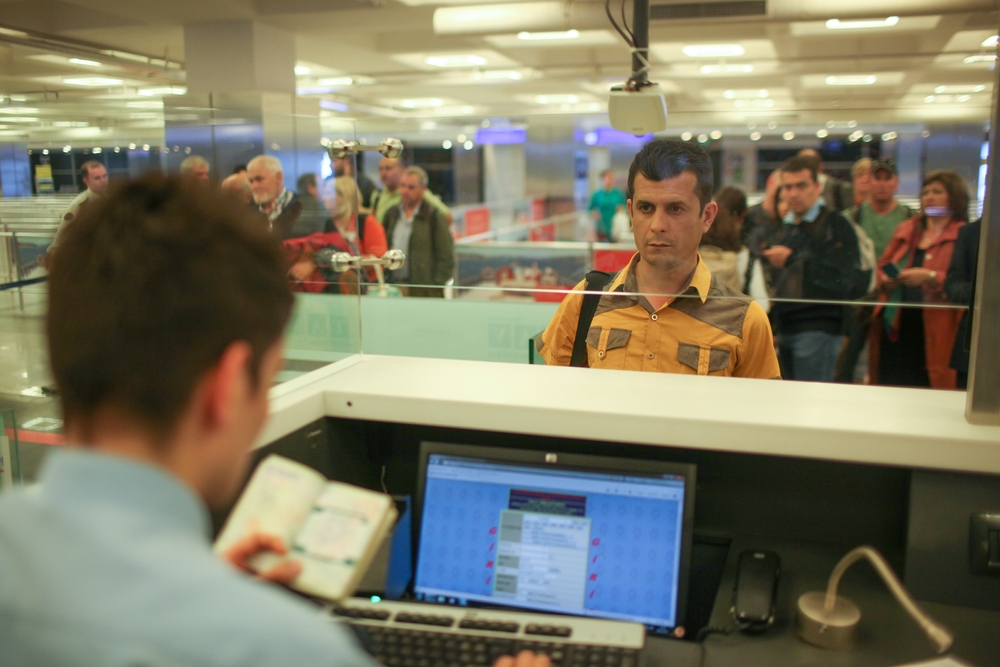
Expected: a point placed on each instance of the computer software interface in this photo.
(559, 540)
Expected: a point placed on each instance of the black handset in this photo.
(756, 591)
(890, 270)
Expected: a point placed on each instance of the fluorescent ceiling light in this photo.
(979, 59)
(163, 90)
(18, 110)
(754, 93)
(990, 42)
(302, 70)
(88, 63)
(852, 80)
(455, 61)
(92, 81)
(713, 50)
(557, 99)
(19, 119)
(144, 104)
(837, 24)
(511, 75)
(13, 33)
(545, 36)
(726, 69)
(959, 89)
(336, 81)
(422, 103)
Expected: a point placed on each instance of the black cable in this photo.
(614, 24)
(712, 630)
(625, 25)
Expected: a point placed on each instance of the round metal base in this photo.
(835, 630)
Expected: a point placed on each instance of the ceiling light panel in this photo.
(861, 24)
(903, 24)
(437, 62)
(583, 38)
(92, 81)
(752, 49)
(968, 40)
(833, 82)
(559, 35)
(84, 62)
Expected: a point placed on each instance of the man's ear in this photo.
(708, 216)
(226, 382)
(628, 205)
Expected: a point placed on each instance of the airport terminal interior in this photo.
(441, 173)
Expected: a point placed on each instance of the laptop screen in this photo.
(578, 535)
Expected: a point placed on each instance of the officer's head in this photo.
(167, 303)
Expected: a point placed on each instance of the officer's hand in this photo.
(524, 659)
(777, 255)
(242, 551)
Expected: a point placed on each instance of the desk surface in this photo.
(914, 428)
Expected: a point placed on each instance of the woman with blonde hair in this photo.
(342, 201)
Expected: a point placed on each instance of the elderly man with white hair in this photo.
(281, 206)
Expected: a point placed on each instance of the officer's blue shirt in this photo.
(107, 562)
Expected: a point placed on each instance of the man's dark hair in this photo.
(305, 180)
(958, 193)
(661, 159)
(87, 166)
(802, 163)
(239, 168)
(150, 286)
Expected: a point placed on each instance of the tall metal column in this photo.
(982, 405)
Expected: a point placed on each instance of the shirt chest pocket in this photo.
(606, 347)
(704, 359)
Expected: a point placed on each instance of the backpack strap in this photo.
(596, 282)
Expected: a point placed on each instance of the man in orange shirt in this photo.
(665, 311)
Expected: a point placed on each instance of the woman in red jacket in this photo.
(340, 197)
(911, 346)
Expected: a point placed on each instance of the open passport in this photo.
(333, 529)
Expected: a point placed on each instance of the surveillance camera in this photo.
(640, 111)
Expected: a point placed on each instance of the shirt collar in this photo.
(80, 476)
(701, 280)
(810, 215)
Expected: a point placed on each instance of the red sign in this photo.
(611, 261)
(537, 209)
(477, 221)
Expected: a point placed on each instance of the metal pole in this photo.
(982, 403)
(640, 29)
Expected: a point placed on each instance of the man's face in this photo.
(200, 173)
(96, 179)
(609, 180)
(342, 167)
(884, 186)
(410, 190)
(266, 184)
(800, 190)
(390, 172)
(668, 221)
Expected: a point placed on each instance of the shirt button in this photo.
(601, 354)
(650, 355)
(653, 316)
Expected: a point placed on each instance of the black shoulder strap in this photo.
(360, 224)
(596, 280)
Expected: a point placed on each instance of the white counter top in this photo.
(913, 428)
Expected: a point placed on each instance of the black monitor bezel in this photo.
(641, 467)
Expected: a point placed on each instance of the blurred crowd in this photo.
(906, 271)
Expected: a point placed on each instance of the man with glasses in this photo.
(814, 257)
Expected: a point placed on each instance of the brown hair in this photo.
(724, 232)
(958, 194)
(87, 166)
(801, 163)
(150, 286)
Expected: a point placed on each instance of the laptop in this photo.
(568, 534)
